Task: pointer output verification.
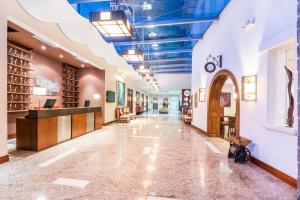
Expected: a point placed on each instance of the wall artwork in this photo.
(225, 100)
(52, 86)
(196, 99)
(120, 94)
(138, 98)
(290, 114)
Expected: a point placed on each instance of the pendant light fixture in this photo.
(132, 55)
(112, 23)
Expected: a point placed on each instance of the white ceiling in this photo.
(168, 83)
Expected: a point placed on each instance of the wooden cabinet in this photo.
(98, 120)
(79, 125)
(36, 135)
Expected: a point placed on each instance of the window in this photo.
(278, 100)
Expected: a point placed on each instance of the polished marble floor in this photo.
(152, 158)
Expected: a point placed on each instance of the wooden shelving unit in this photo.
(71, 87)
(19, 78)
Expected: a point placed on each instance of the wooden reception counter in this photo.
(41, 129)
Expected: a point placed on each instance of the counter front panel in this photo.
(45, 128)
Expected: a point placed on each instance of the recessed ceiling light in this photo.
(43, 47)
(152, 34)
(61, 56)
(142, 67)
(56, 45)
(82, 65)
(149, 17)
(147, 6)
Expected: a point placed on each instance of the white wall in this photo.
(244, 53)
(3, 78)
(111, 77)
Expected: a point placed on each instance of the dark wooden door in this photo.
(130, 100)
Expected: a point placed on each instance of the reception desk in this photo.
(45, 128)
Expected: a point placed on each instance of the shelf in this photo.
(71, 85)
(75, 97)
(71, 79)
(19, 102)
(22, 67)
(71, 91)
(19, 48)
(19, 57)
(20, 75)
(17, 111)
(20, 84)
(19, 93)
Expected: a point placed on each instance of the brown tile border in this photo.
(275, 172)
(108, 123)
(4, 159)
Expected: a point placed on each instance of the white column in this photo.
(3, 79)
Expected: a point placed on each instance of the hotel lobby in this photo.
(149, 100)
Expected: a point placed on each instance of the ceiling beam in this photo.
(85, 1)
(176, 72)
(170, 65)
(162, 60)
(169, 51)
(173, 68)
(158, 41)
(143, 24)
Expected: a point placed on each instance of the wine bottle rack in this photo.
(71, 86)
(20, 79)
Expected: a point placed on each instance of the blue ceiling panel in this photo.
(166, 30)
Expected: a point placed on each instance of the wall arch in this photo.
(214, 95)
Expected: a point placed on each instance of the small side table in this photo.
(238, 149)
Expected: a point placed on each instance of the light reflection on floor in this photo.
(153, 157)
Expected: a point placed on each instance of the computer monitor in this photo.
(49, 103)
(87, 103)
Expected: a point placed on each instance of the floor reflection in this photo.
(152, 156)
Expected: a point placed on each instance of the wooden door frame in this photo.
(214, 95)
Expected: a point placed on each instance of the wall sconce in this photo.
(249, 88)
(202, 94)
(249, 23)
(96, 96)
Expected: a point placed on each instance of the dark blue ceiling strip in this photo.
(158, 41)
(175, 72)
(176, 68)
(170, 65)
(170, 51)
(85, 1)
(175, 22)
(159, 60)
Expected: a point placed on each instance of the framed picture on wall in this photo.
(120, 94)
(225, 100)
(196, 99)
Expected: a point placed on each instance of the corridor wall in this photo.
(3, 78)
(246, 52)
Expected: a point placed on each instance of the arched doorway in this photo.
(214, 108)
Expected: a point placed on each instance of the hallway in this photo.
(154, 156)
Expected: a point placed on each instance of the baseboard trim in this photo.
(199, 129)
(275, 172)
(108, 123)
(4, 159)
